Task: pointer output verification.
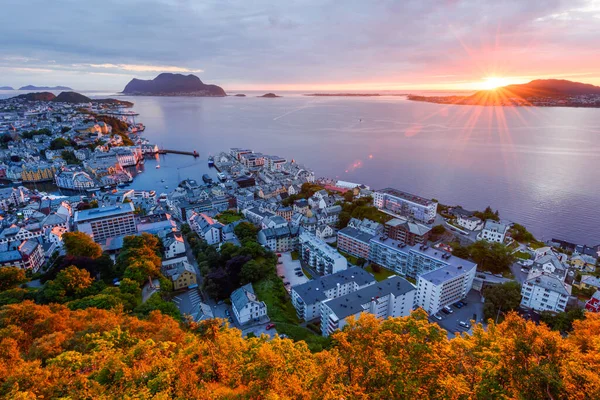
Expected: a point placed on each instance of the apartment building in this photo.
(392, 297)
(279, 239)
(106, 222)
(246, 306)
(307, 297)
(320, 256)
(405, 231)
(444, 286)
(206, 227)
(493, 232)
(545, 292)
(354, 242)
(396, 202)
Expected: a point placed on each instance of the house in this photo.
(180, 271)
(589, 282)
(405, 231)
(324, 231)
(246, 306)
(366, 225)
(29, 254)
(593, 304)
(173, 245)
(471, 223)
(206, 227)
(583, 262)
(543, 291)
(392, 297)
(493, 231)
(301, 206)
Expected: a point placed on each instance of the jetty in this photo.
(185, 153)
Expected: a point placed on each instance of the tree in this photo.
(59, 144)
(501, 298)
(245, 231)
(11, 277)
(563, 321)
(79, 244)
(438, 230)
(488, 213)
(69, 284)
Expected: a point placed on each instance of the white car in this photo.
(464, 324)
(437, 316)
(448, 309)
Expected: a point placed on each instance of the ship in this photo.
(211, 161)
(222, 177)
(206, 178)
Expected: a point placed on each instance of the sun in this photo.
(493, 82)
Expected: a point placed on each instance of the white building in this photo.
(444, 286)
(173, 245)
(493, 232)
(279, 239)
(320, 256)
(308, 297)
(207, 228)
(392, 297)
(405, 204)
(470, 223)
(246, 306)
(545, 292)
(107, 222)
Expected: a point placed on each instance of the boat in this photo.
(157, 167)
(122, 185)
(211, 161)
(222, 177)
(206, 178)
(166, 187)
(162, 180)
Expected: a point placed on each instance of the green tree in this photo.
(155, 302)
(59, 144)
(79, 244)
(438, 230)
(563, 321)
(501, 298)
(70, 283)
(11, 277)
(245, 231)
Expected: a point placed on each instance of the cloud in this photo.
(146, 68)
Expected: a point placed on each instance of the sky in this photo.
(300, 44)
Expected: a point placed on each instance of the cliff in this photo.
(173, 85)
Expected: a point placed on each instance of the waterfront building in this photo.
(39, 172)
(106, 222)
(320, 256)
(392, 297)
(308, 297)
(396, 202)
(493, 231)
(469, 222)
(74, 179)
(405, 231)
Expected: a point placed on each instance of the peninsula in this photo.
(6, 88)
(354, 94)
(168, 84)
(32, 87)
(537, 93)
(70, 97)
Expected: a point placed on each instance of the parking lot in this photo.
(287, 270)
(473, 308)
(259, 330)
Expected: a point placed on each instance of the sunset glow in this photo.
(494, 82)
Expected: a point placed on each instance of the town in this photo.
(270, 248)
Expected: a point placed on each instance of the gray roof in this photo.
(356, 234)
(412, 227)
(352, 303)
(495, 226)
(103, 212)
(591, 280)
(314, 291)
(446, 273)
(9, 256)
(239, 297)
(549, 282)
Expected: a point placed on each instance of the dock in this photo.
(185, 153)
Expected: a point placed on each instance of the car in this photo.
(286, 283)
(464, 324)
(278, 254)
(270, 326)
(437, 316)
(463, 233)
(283, 336)
(227, 313)
(448, 309)
(279, 263)
(525, 270)
(445, 311)
(299, 274)
(458, 305)
(298, 269)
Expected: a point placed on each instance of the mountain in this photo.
(38, 96)
(167, 84)
(71, 97)
(6, 88)
(269, 95)
(546, 88)
(31, 87)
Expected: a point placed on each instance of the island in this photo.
(269, 95)
(538, 93)
(239, 95)
(71, 97)
(354, 94)
(32, 87)
(6, 88)
(167, 84)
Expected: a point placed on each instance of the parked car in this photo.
(270, 326)
(525, 270)
(299, 274)
(464, 324)
(298, 269)
(448, 309)
(278, 254)
(458, 305)
(286, 283)
(445, 311)
(227, 313)
(437, 316)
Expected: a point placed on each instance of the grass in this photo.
(522, 255)
(381, 275)
(351, 259)
(536, 245)
(308, 274)
(295, 255)
(514, 245)
(314, 342)
(228, 217)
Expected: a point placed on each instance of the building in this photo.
(589, 282)
(206, 227)
(396, 202)
(11, 197)
(392, 297)
(366, 225)
(74, 180)
(593, 304)
(173, 245)
(320, 256)
(354, 242)
(246, 306)
(106, 222)
(544, 291)
(405, 231)
(29, 254)
(469, 222)
(493, 231)
(583, 262)
(307, 297)
(279, 239)
(180, 271)
(444, 286)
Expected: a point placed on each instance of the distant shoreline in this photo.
(572, 102)
(353, 94)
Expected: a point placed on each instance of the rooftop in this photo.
(103, 212)
(314, 291)
(407, 196)
(356, 234)
(446, 273)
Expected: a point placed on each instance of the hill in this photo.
(539, 92)
(167, 84)
(71, 97)
(6, 88)
(32, 87)
(38, 96)
(269, 95)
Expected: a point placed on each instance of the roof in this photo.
(314, 291)
(356, 234)
(10, 256)
(492, 225)
(28, 247)
(407, 196)
(412, 227)
(104, 212)
(354, 302)
(240, 298)
(591, 280)
(550, 282)
(444, 274)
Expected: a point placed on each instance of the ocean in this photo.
(539, 167)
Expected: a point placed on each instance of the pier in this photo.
(185, 153)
